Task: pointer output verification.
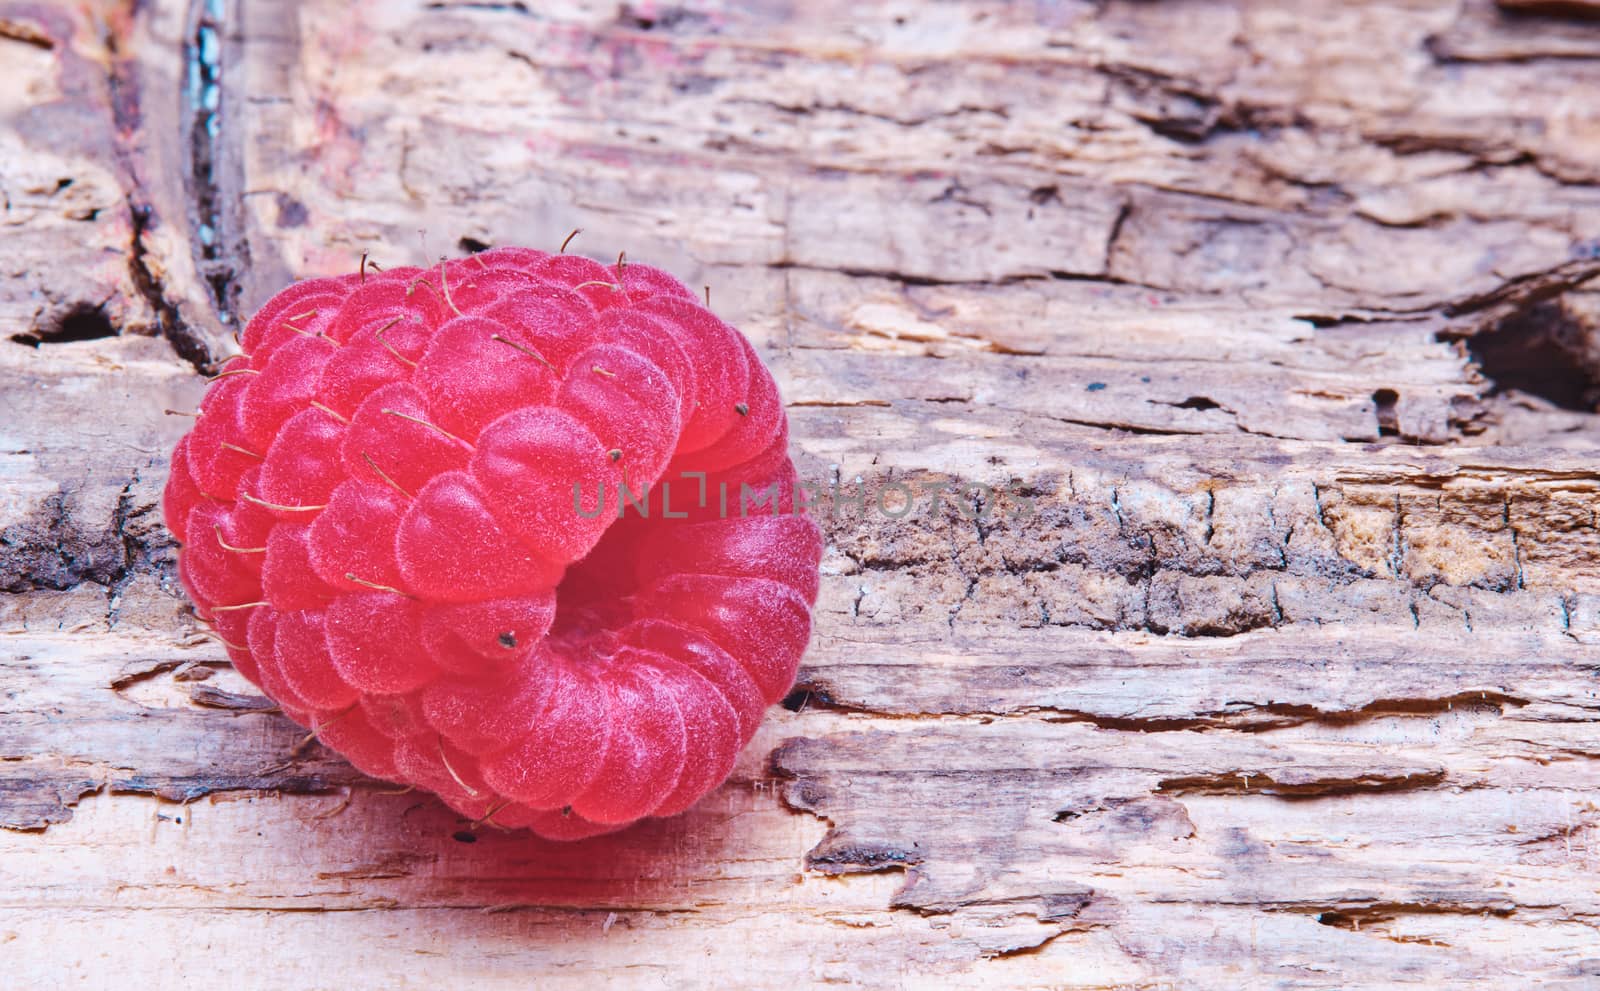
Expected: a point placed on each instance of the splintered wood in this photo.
(1198, 401)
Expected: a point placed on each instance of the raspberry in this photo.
(398, 511)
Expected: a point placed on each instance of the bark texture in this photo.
(1253, 348)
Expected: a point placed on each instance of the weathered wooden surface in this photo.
(1273, 661)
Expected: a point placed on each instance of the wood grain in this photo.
(1240, 359)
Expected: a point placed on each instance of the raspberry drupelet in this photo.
(399, 511)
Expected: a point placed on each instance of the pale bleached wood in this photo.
(1287, 678)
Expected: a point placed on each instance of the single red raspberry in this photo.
(399, 511)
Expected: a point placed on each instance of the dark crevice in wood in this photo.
(219, 254)
(1356, 915)
(28, 34)
(78, 322)
(127, 114)
(1580, 10)
(1245, 782)
(1382, 708)
(1384, 403)
(1183, 110)
(650, 17)
(513, 7)
(812, 693)
(186, 340)
(1545, 351)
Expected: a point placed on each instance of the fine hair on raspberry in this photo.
(455, 521)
